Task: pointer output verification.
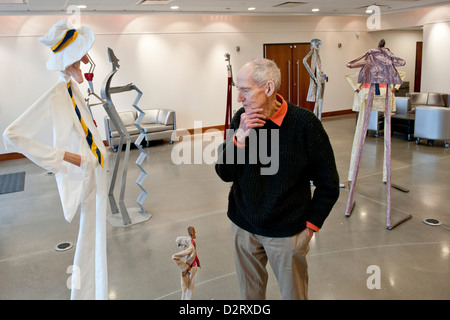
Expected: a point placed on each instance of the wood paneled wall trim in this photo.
(16, 155)
(11, 156)
(337, 113)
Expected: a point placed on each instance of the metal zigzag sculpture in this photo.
(132, 215)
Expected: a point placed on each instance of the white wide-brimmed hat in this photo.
(67, 44)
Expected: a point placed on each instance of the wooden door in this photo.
(294, 76)
(281, 54)
(418, 70)
(303, 79)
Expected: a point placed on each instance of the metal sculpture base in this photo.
(135, 214)
(391, 225)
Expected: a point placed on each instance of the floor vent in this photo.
(63, 246)
(431, 222)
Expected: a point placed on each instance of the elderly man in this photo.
(274, 215)
(77, 156)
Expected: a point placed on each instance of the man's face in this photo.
(251, 96)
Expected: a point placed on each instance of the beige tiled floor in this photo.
(413, 258)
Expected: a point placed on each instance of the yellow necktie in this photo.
(87, 132)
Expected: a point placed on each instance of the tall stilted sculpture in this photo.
(318, 78)
(132, 215)
(76, 156)
(359, 105)
(377, 68)
(230, 85)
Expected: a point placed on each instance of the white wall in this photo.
(436, 43)
(178, 60)
(435, 60)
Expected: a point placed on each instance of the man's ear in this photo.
(270, 88)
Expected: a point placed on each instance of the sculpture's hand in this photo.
(72, 158)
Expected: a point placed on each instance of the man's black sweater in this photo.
(280, 204)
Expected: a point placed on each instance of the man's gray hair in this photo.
(265, 70)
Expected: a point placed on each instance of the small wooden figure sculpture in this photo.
(188, 262)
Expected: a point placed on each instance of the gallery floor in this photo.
(350, 258)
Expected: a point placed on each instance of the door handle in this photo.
(289, 80)
(298, 83)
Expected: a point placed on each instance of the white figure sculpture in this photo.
(77, 156)
(317, 81)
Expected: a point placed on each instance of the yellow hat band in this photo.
(68, 38)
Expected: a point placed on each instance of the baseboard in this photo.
(221, 127)
(11, 156)
(203, 130)
(337, 113)
(16, 155)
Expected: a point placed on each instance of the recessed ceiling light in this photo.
(81, 6)
(369, 11)
(289, 4)
(315, 10)
(251, 8)
(174, 7)
(157, 2)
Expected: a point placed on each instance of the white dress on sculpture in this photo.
(361, 94)
(317, 77)
(85, 185)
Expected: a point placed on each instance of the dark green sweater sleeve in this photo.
(324, 174)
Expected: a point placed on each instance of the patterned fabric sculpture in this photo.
(378, 70)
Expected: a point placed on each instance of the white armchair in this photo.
(432, 123)
(156, 123)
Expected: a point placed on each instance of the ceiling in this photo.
(264, 7)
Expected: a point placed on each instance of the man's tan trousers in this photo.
(287, 258)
